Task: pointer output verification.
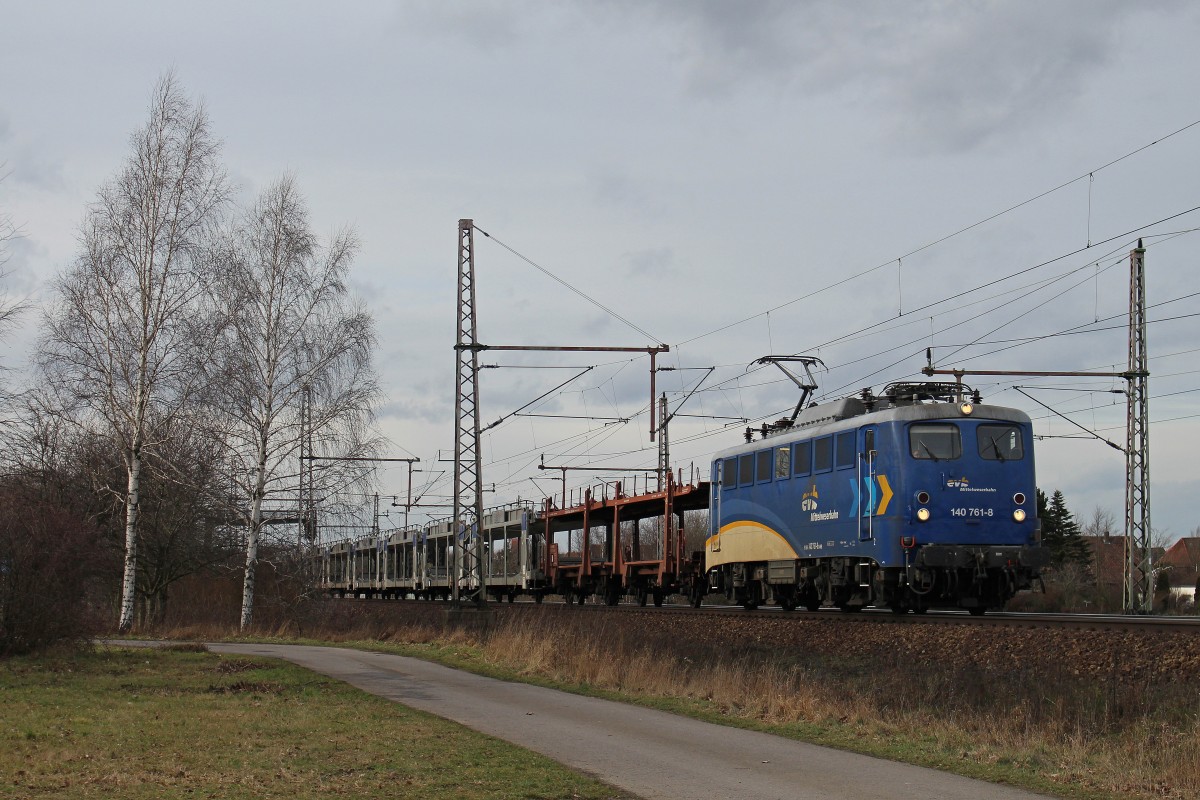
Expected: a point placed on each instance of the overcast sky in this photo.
(691, 166)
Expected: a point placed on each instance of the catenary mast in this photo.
(1139, 591)
(468, 478)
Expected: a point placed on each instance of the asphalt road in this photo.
(649, 753)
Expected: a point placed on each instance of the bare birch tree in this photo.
(123, 332)
(290, 328)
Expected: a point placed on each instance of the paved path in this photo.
(649, 753)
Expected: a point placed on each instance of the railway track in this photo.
(995, 619)
(1108, 622)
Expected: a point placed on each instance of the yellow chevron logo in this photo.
(885, 494)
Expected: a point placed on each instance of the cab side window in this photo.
(803, 459)
(845, 449)
(783, 463)
(729, 473)
(746, 469)
(765, 458)
(823, 454)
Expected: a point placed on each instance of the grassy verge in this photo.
(1049, 724)
(154, 724)
(1046, 730)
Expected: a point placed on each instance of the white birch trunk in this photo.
(129, 583)
(252, 539)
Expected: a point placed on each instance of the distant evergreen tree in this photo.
(1061, 534)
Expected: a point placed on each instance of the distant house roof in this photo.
(1185, 552)
(1108, 559)
(1183, 558)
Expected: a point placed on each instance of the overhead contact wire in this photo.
(560, 281)
(1089, 174)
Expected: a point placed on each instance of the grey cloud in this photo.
(20, 163)
(484, 25)
(421, 404)
(614, 188)
(726, 44)
(597, 325)
(949, 75)
(656, 262)
(18, 256)
(980, 76)
(30, 168)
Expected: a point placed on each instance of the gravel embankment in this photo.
(1146, 657)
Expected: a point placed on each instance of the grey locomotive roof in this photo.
(850, 413)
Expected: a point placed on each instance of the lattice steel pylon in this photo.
(664, 445)
(1139, 589)
(470, 584)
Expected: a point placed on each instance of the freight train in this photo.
(919, 497)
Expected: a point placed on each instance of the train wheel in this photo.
(899, 608)
(750, 605)
(537, 598)
(977, 611)
(658, 599)
(812, 600)
(788, 604)
(697, 599)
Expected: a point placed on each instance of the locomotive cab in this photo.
(971, 533)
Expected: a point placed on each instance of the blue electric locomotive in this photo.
(920, 497)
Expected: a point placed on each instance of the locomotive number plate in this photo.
(971, 512)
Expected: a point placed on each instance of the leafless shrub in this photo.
(47, 560)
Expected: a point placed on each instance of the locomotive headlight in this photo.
(1019, 515)
(966, 408)
(923, 514)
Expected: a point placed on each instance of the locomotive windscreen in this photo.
(938, 441)
(1000, 442)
